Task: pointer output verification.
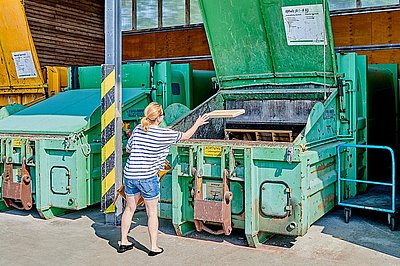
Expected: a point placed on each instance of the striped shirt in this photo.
(148, 151)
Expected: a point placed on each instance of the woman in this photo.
(148, 147)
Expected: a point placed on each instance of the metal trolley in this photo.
(378, 195)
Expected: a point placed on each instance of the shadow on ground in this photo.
(33, 212)
(366, 228)
(112, 233)
(369, 229)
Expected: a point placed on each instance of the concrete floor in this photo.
(81, 238)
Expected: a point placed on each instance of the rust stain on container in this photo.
(323, 167)
(328, 199)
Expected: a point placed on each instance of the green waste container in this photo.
(51, 152)
(273, 169)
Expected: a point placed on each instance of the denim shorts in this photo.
(148, 187)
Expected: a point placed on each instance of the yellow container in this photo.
(21, 79)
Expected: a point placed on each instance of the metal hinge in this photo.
(289, 154)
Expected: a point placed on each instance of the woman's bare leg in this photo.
(152, 215)
(126, 220)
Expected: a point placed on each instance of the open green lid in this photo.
(270, 42)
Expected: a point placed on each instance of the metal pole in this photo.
(111, 104)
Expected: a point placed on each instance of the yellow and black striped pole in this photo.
(111, 114)
(108, 139)
(109, 148)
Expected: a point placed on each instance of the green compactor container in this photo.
(271, 170)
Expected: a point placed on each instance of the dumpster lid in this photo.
(278, 42)
(64, 113)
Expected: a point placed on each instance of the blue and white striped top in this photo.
(148, 151)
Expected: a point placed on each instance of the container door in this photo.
(275, 199)
(62, 175)
(60, 180)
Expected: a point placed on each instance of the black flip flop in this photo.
(123, 248)
(154, 253)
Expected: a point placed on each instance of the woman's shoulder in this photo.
(162, 129)
(138, 128)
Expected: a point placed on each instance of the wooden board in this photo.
(226, 113)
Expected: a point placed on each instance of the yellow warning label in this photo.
(17, 143)
(212, 151)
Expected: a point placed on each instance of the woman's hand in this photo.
(202, 120)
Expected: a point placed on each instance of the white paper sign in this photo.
(304, 25)
(24, 64)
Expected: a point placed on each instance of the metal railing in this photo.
(392, 184)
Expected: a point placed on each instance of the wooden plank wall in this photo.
(67, 32)
(348, 30)
(167, 44)
(370, 29)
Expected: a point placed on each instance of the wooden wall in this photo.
(167, 44)
(348, 30)
(67, 32)
(369, 29)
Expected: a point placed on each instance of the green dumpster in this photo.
(51, 152)
(273, 169)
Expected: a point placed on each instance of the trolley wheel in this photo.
(347, 215)
(392, 222)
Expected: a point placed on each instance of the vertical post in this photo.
(134, 14)
(111, 119)
(187, 12)
(251, 227)
(160, 14)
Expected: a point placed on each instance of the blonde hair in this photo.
(151, 113)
